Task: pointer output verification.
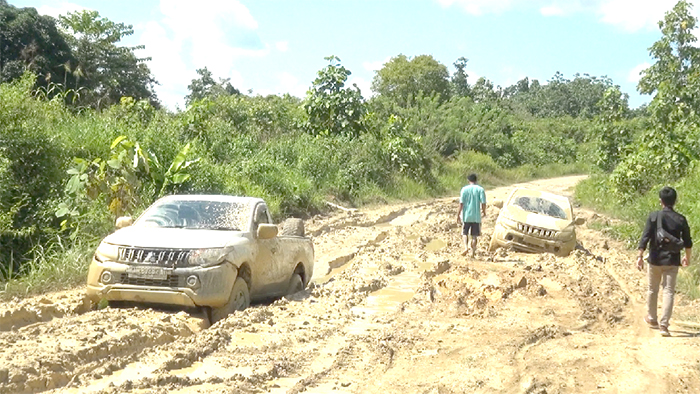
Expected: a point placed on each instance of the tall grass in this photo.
(595, 192)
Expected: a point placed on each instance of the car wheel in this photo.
(493, 245)
(296, 284)
(238, 301)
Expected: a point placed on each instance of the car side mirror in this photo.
(124, 221)
(498, 204)
(579, 221)
(267, 231)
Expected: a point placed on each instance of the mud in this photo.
(392, 308)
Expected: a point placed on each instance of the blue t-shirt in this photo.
(472, 196)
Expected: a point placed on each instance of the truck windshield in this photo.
(193, 214)
(541, 206)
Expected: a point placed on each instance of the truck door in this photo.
(272, 278)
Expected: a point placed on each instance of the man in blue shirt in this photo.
(472, 206)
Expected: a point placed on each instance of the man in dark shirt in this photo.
(663, 263)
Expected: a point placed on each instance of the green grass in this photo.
(595, 193)
(54, 268)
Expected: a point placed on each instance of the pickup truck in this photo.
(212, 252)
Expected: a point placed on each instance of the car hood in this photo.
(175, 238)
(535, 219)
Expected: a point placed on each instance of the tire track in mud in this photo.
(393, 308)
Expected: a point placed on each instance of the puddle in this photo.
(133, 371)
(407, 220)
(401, 288)
(435, 245)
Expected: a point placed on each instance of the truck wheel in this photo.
(493, 245)
(296, 284)
(293, 226)
(238, 301)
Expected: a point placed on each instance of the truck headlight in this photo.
(205, 257)
(107, 252)
(566, 234)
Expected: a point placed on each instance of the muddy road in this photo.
(393, 308)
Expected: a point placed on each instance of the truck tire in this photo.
(238, 301)
(493, 245)
(293, 227)
(296, 284)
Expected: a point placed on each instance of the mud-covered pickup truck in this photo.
(201, 251)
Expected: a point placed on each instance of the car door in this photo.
(271, 273)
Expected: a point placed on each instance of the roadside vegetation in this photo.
(662, 149)
(84, 140)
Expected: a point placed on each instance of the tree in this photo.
(672, 142)
(206, 86)
(675, 76)
(332, 108)
(611, 132)
(29, 41)
(403, 80)
(483, 91)
(107, 71)
(460, 85)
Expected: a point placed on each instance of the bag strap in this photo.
(658, 221)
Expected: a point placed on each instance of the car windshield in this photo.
(196, 214)
(540, 205)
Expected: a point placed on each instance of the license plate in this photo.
(156, 273)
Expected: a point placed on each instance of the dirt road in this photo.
(393, 308)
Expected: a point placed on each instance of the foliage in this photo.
(31, 42)
(106, 70)
(206, 87)
(559, 97)
(460, 84)
(403, 80)
(671, 143)
(612, 133)
(332, 108)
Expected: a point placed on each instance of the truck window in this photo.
(261, 216)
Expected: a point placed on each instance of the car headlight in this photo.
(566, 234)
(107, 252)
(508, 223)
(205, 257)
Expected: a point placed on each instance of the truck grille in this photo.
(536, 231)
(162, 257)
(172, 281)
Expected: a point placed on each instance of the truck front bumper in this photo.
(186, 287)
(506, 237)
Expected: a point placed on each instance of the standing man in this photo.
(664, 256)
(472, 206)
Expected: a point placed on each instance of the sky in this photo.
(278, 46)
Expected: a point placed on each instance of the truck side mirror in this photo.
(124, 221)
(579, 221)
(267, 231)
(497, 203)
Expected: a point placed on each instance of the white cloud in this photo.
(633, 15)
(61, 9)
(207, 33)
(376, 65)
(630, 15)
(634, 74)
(282, 46)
